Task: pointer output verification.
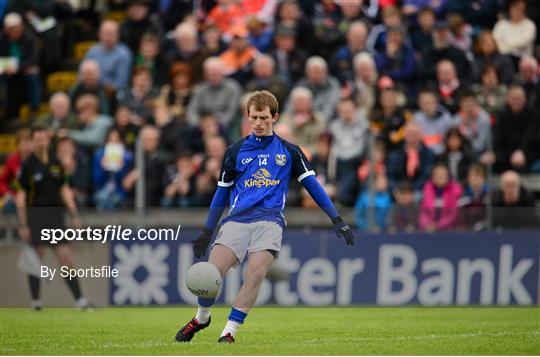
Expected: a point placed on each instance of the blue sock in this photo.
(206, 302)
(203, 312)
(237, 316)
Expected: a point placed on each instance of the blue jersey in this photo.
(259, 170)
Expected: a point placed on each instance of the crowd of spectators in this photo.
(401, 105)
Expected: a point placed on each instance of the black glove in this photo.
(200, 244)
(342, 229)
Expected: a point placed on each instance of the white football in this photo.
(203, 280)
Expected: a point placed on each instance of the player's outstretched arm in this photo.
(322, 199)
(214, 214)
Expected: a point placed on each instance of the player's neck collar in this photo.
(261, 139)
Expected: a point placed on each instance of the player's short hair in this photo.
(262, 99)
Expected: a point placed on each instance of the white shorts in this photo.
(244, 238)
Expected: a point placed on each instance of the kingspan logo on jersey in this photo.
(261, 178)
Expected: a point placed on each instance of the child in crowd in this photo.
(380, 202)
(404, 214)
(473, 201)
(439, 209)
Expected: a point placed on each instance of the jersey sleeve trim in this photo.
(306, 174)
(225, 184)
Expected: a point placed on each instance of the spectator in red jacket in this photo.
(439, 208)
(12, 166)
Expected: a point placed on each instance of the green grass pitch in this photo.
(274, 330)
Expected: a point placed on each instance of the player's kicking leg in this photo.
(223, 259)
(258, 265)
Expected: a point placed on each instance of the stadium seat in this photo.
(80, 49)
(117, 16)
(8, 143)
(61, 81)
(25, 112)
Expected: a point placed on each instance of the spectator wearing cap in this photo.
(114, 58)
(90, 82)
(177, 93)
(304, 122)
(264, 78)
(488, 54)
(324, 87)
(396, 59)
(20, 77)
(448, 85)
(290, 59)
(140, 95)
(434, 120)
(513, 204)
(149, 56)
(516, 35)
(529, 79)
(341, 65)
(217, 95)
(474, 123)
(237, 59)
(186, 49)
(378, 35)
(411, 161)
(516, 136)
(442, 49)
(137, 23)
